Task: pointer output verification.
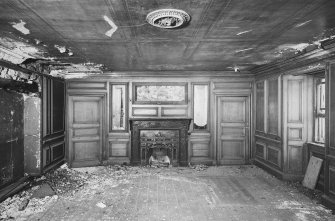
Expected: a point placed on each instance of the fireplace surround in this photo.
(167, 135)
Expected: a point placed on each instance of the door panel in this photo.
(85, 130)
(233, 130)
(295, 122)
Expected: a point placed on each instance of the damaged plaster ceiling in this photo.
(81, 36)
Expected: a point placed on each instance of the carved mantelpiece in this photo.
(180, 124)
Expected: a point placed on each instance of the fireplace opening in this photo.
(159, 147)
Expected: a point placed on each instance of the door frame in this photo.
(215, 128)
(104, 125)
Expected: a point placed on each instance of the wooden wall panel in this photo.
(118, 149)
(199, 148)
(329, 170)
(86, 150)
(53, 104)
(260, 150)
(295, 133)
(273, 155)
(260, 106)
(145, 111)
(295, 159)
(272, 107)
(174, 111)
(58, 106)
(91, 85)
(294, 101)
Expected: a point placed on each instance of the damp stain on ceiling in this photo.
(221, 35)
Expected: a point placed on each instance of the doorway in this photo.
(233, 128)
(85, 126)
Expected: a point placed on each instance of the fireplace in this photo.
(159, 140)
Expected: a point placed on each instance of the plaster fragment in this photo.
(37, 41)
(61, 49)
(112, 24)
(303, 23)
(244, 32)
(20, 27)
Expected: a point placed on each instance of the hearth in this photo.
(159, 141)
(159, 147)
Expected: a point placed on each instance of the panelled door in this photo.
(85, 122)
(232, 130)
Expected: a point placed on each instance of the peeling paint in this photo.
(16, 51)
(296, 47)
(76, 70)
(244, 32)
(20, 27)
(243, 50)
(112, 24)
(303, 23)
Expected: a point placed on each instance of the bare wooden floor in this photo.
(217, 193)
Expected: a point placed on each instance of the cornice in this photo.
(309, 62)
(175, 74)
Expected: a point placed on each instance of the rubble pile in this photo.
(198, 167)
(23, 205)
(312, 194)
(65, 180)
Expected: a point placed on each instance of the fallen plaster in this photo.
(303, 23)
(70, 53)
(112, 24)
(61, 49)
(37, 41)
(20, 27)
(244, 32)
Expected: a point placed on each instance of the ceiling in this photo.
(222, 34)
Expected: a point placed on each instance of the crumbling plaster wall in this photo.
(11, 137)
(20, 115)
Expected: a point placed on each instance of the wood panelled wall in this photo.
(284, 111)
(45, 127)
(329, 166)
(53, 128)
(116, 147)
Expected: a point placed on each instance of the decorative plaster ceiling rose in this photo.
(168, 18)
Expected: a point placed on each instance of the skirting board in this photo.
(328, 202)
(277, 173)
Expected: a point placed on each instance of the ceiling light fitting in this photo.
(168, 18)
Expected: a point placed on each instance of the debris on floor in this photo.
(101, 205)
(115, 191)
(198, 167)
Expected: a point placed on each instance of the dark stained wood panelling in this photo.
(260, 106)
(58, 106)
(260, 150)
(273, 156)
(329, 197)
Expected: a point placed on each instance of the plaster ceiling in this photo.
(221, 34)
